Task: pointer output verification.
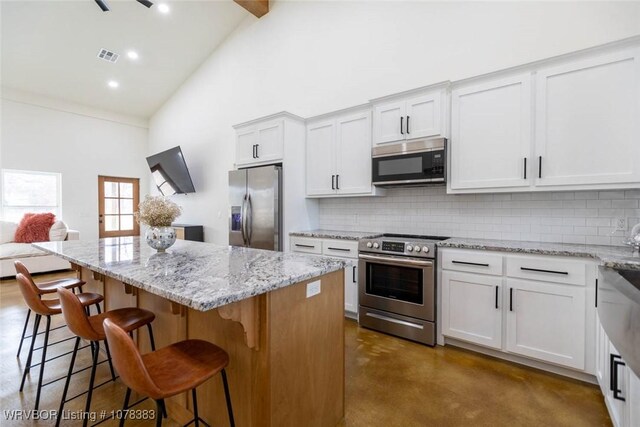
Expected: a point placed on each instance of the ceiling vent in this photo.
(108, 56)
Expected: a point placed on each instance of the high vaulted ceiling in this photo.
(50, 48)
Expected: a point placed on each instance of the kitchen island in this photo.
(283, 330)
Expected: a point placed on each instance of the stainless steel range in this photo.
(397, 285)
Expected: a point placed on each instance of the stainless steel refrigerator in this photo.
(255, 218)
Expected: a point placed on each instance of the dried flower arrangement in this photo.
(157, 211)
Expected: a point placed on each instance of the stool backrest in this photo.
(128, 362)
(31, 295)
(22, 269)
(75, 316)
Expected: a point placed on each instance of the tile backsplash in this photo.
(570, 217)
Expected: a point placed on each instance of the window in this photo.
(30, 191)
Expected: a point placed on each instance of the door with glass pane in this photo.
(118, 199)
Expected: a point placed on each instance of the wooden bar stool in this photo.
(44, 288)
(169, 371)
(91, 328)
(46, 308)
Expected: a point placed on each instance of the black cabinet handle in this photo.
(300, 245)
(253, 148)
(339, 249)
(401, 119)
(596, 293)
(613, 385)
(539, 166)
(337, 182)
(544, 271)
(354, 274)
(257, 155)
(408, 126)
(333, 182)
(470, 263)
(525, 168)
(510, 299)
(497, 287)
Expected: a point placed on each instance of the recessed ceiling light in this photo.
(132, 54)
(163, 8)
(113, 84)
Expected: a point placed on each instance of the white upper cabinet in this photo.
(420, 113)
(587, 121)
(260, 142)
(338, 161)
(389, 122)
(491, 133)
(353, 153)
(321, 158)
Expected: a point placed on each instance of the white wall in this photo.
(314, 57)
(78, 146)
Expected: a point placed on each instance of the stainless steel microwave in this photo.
(410, 163)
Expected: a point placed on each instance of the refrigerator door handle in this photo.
(249, 216)
(243, 218)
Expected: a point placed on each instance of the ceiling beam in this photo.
(257, 7)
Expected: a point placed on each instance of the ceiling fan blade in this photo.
(144, 2)
(103, 5)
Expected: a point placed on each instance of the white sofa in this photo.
(34, 259)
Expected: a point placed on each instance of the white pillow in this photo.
(7, 231)
(58, 231)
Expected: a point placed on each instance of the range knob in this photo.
(369, 244)
(417, 249)
(409, 248)
(376, 245)
(425, 249)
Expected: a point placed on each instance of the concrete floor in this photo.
(389, 382)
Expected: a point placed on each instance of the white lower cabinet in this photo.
(619, 385)
(546, 317)
(471, 308)
(339, 248)
(546, 321)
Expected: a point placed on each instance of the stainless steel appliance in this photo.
(255, 218)
(397, 286)
(410, 163)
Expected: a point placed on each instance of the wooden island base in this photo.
(286, 351)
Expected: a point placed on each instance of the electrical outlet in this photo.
(313, 288)
(621, 224)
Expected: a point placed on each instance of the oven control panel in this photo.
(393, 246)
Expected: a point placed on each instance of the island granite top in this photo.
(616, 257)
(336, 234)
(202, 276)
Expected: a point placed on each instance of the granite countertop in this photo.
(202, 276)
(616, 257)
(336, 234)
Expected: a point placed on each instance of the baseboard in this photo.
(558, 370)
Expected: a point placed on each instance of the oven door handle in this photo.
(396, 261)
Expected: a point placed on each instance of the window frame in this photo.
(56, 210)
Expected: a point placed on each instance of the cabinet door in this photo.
(245, 143)
(389, 122)
(270, 140)
(619, 373)
(424, 116)
(602, 358)
(587, 127)
(353, 153)
(351, 288)
(633, 410)
(546, 321)
(471, 308)
(321, 158)
(491, 134)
